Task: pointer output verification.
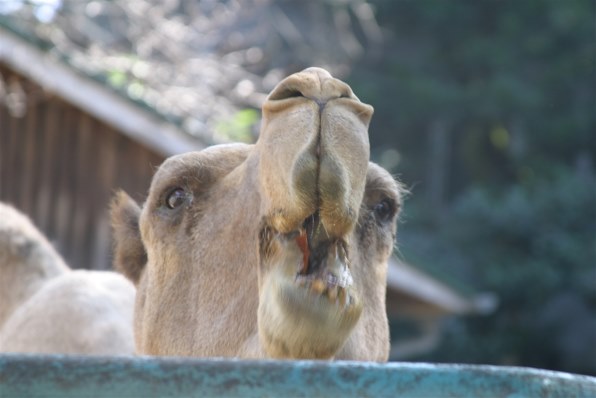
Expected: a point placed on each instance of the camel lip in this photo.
(316, 246)
(330, 279)
(326, 255)
(322, 268)
(323, 258)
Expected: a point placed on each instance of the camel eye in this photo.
(384, 210)
(176, 198)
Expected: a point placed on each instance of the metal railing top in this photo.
(78, 376)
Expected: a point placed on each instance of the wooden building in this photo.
(67, 143)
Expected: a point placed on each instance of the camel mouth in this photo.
(323, 268)
(308, 292)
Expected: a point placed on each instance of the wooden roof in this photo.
(95, 98)
(413, 293)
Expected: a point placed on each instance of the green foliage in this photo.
(238, 128)
(534, 246)
(525, 67)
(117, 78)
(512, 83)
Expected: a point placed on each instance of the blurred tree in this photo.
(204, 65)
(533, 244)
(511, 84)
(486, 109)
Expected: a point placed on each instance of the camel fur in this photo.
(272, 250)
(45, 307)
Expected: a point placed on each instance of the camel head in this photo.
(277, 249)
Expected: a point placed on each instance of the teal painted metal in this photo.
(72, 376)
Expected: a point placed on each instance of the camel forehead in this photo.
(201, 166)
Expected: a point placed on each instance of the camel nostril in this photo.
(284, 93)
(320, 92)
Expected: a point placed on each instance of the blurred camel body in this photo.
(277, 249)
(45, 307)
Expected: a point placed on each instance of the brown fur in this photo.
(45, 307)
(221, 272)
(128, 248)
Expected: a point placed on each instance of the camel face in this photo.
(277, 249)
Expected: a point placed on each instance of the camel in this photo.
(45, 307)
(272, 250)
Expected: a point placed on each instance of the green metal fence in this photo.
(75, 376)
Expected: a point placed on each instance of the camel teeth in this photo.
(332, 280)
(318, 286)
(332, 293)
(342, 296)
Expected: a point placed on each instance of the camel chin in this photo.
(309, 304)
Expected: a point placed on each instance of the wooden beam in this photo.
(429, 296)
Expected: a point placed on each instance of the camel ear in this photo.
(130, 256)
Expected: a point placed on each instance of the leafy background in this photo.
(486, 110)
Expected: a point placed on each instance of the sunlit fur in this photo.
(47, 308)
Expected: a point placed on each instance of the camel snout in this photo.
(315, 84)
(323, 161)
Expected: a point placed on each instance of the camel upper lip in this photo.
(315, 231)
